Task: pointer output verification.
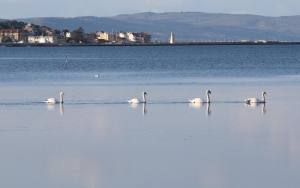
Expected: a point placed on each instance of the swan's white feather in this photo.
(50, 100)
(53, 100)
(199, 100)
(196, 100)
(253, 100)
(134, 101)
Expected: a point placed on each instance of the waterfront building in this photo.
(12, 35)
(172, 39)
(42, 39)
(107, 37)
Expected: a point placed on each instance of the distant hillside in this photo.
(186, 25)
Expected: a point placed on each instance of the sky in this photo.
(12, 9)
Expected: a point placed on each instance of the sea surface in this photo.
(96, 139)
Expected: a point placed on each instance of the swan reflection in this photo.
(199, 105)
(144, 110)
(208, 112)
(133, 105)
(61, 109)
(255, 105)
(195, 105)
(51, 107)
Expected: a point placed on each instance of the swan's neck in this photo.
(263, 97)
(207, 97)
(144, 98)
(61, 99)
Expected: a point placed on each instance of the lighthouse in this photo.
(172, 39)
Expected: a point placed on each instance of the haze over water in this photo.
(95, 139)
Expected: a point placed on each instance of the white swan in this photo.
(53, 100)
(255, 100)
(198, 100)
(136, 101)
(96, 75)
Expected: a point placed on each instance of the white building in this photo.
(130, 36)
(42, 39)
(68, 35)
(103, 35)
(172, 39)
(260, 41)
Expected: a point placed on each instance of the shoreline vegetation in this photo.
(147, 44)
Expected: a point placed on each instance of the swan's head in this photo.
(61, 93)
(144, 93)
(264, 93)
(208, 91)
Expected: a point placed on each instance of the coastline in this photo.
(148, 44)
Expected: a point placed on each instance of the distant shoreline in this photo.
(151, 44)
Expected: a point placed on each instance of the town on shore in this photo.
(14, 33)
(19, 32)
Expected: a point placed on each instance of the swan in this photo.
(53, 100)
(198, 100)
(255, 100)
(96, 75)
(136, 101)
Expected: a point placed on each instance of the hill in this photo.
(186, 25)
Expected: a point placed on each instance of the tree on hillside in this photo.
(78, 35)
(12, 25)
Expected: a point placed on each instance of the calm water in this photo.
(95, 139)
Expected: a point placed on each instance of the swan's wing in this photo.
(252, 105)
(196, 100)
(252, 100)
(50, 100)
(134, 101)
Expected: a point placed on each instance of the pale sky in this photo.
(11, 9)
